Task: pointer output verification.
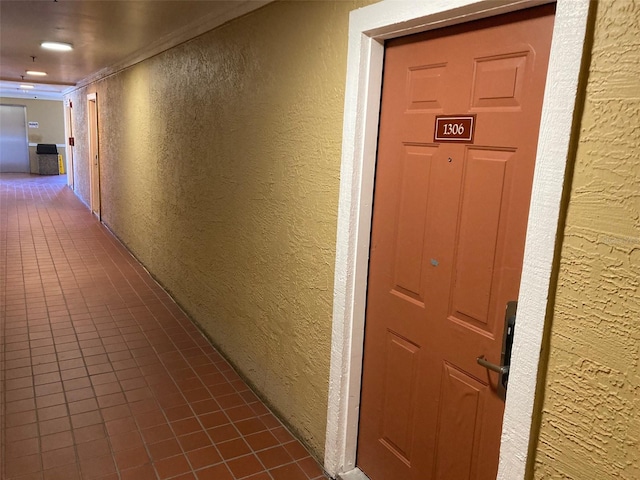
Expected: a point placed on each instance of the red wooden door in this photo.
(447, 244)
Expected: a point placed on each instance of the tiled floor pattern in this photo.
(104, 377)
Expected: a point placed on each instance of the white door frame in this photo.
(68, 131)
(369, 27)
(94, 155)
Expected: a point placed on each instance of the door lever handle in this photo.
(505, 356)
(501, 369)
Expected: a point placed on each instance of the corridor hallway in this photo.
(103, 376)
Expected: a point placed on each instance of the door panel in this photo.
(498, 80)
(477, 253)
(416, 171)
(14, 146)
(401, 371)
(449, 222)
(459, 423)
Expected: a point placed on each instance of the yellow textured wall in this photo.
(220, 163)
(590, 426)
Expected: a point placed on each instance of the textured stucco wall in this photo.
(590, 424)
(220, 165)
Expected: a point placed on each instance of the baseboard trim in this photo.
(355, 474)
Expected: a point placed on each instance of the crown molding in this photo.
(184, 34)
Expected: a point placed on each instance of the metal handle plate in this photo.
(505, 357)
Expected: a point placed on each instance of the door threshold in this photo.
(355, 474)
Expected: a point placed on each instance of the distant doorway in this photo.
(370, 29)
(68, 115)
(448, 233)
(14, 144)
(94, 168)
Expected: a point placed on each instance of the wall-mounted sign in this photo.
(454, 128)
(34, 125)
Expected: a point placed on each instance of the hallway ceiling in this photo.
(106, 36)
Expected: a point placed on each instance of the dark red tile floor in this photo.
(103, 376)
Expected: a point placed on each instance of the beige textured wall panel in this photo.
(590, 426)
(220, 163)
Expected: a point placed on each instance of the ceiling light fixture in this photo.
(26, 87)
(35, 73)
(57, 46)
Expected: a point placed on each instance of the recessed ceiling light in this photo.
(26, 87)
(35, 73)
(58, 46)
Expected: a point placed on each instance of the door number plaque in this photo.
(454, 128)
